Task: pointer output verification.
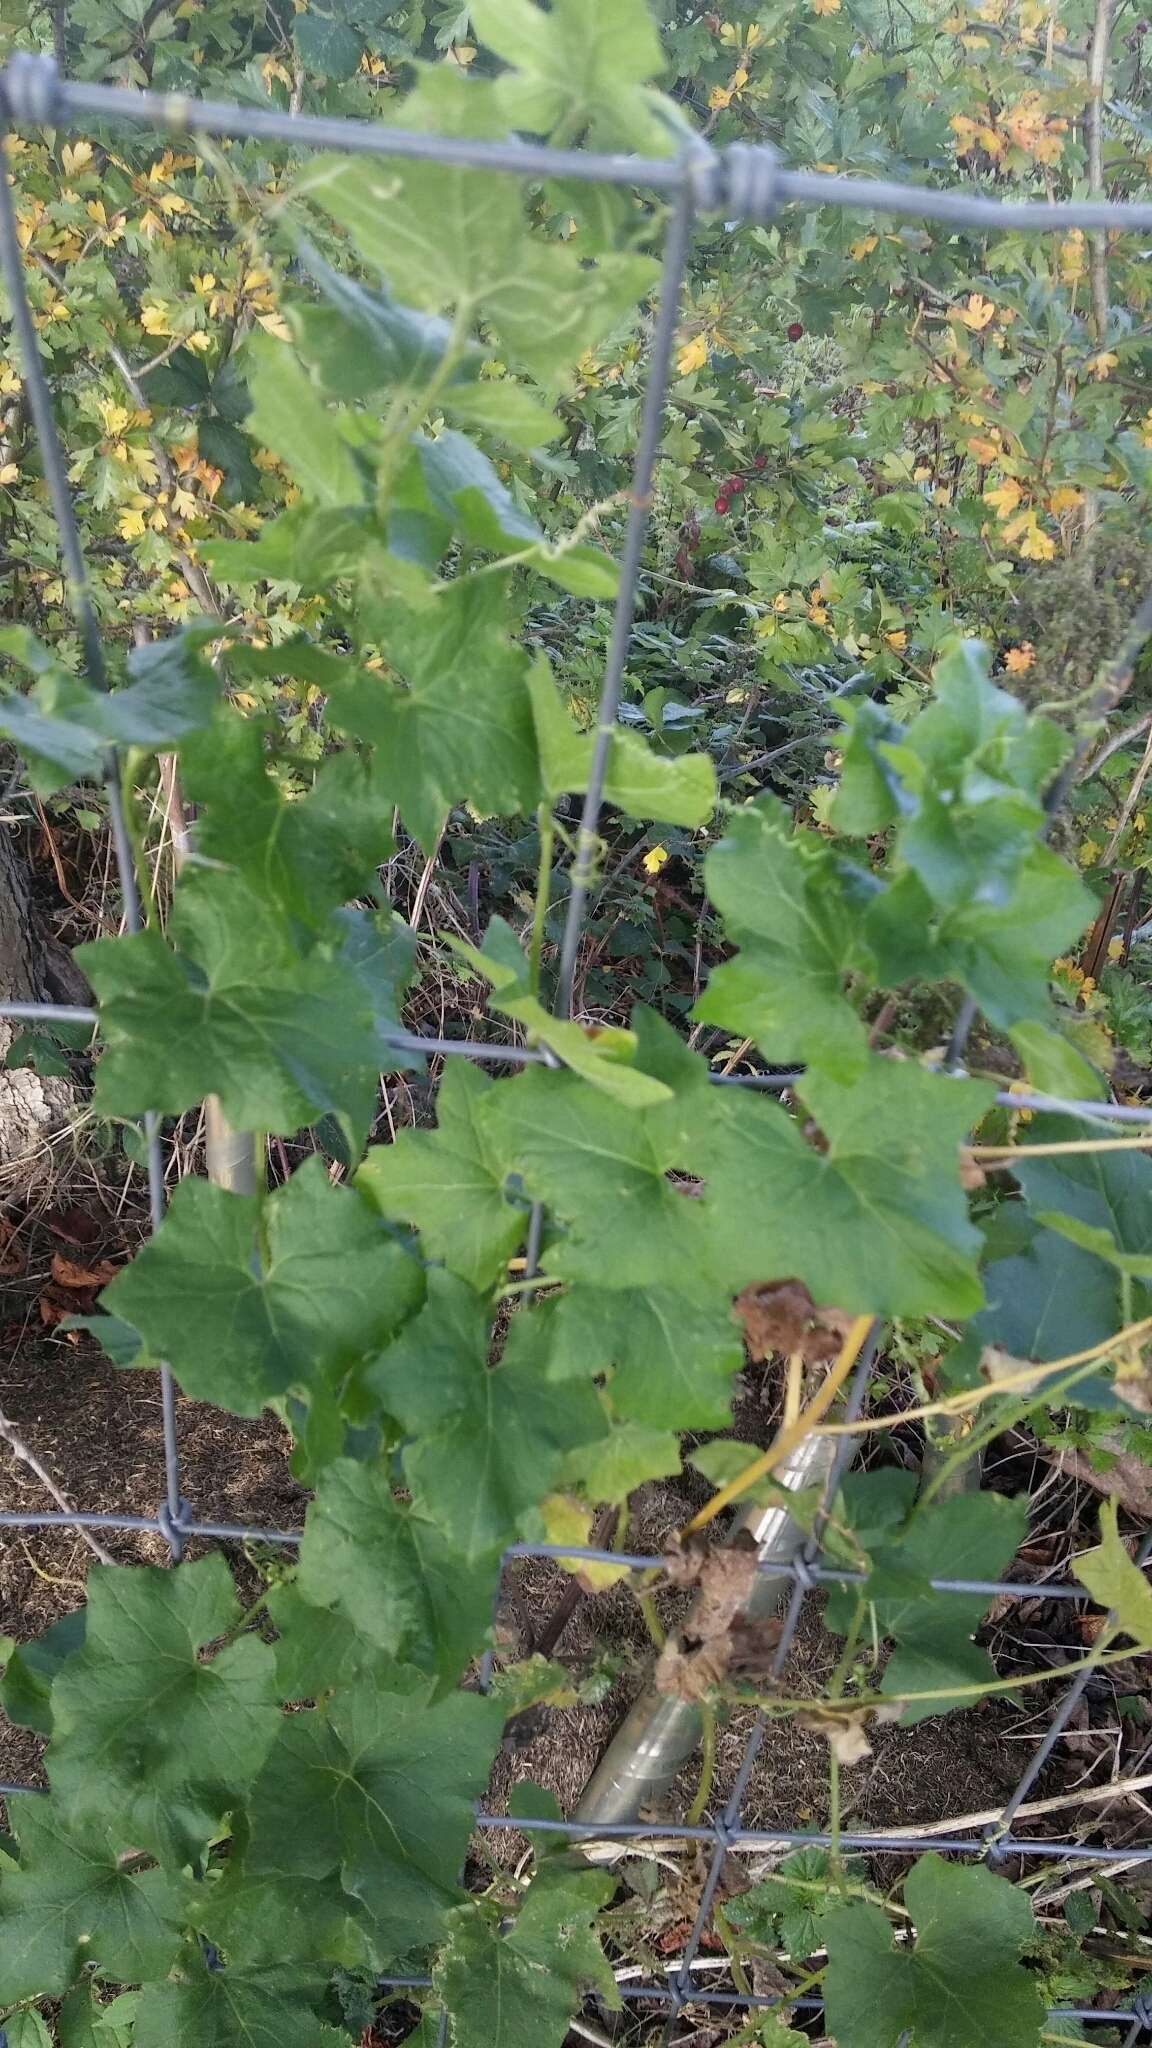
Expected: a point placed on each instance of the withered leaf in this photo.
(845, 1728)
(67, 1273)
(781, 1316)
(700, 1655)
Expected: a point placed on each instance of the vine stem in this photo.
(547, 829)
(985, 1153)
(792, 1434)
(1099, 1661)
(707, 1765)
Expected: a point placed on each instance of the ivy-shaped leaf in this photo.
(971, 1537)
(582, 67)
(1102, 1201)
(961, 1983)
(64, 728)
(489, 1440)
(518, 1989)
(236, 2008)
(142, 1725)
(306, 855)
(973, 896)
(671, 1359)
(882, 1188)
(365, 1808)
(463, 726)
(250, 1298)
(393, 1573)
(779, 894)
(445, 238)
(232, 1003)
(26, 1687)
(449, 1183)
(73, 1901)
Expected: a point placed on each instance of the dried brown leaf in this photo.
(13, 1258)
(972, 1174)
(67, 1273)
(844, 1729)
(693, 1662)
(74, 1226)
(781, 1316)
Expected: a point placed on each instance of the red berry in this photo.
(761, 462)
(721, 503)
(795, 330)
(734, 486)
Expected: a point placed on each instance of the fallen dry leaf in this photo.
(781, 1316)
(66, 1272)
(12, 1255)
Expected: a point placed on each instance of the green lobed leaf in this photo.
(520, 1988)
(579, 67)
(64, 728)
(393, 1573)
(972, 1536)
(232, 1003)
(142, 1725)
(960, 1985)
(250, 1298)
(72, 1901)
(877, 1218)
(489, 1440)
(236, 2008)
(463, 726)
(304, 854)
(676, 791)
(779, 895)
(26, 1687)
(373, 1797)
(289, 417)
(448, 1182)
(444, 238)
(671, 1359)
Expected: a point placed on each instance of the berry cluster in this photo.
(733, 485)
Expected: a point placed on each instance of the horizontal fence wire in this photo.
(484, 1050)
(743, 183)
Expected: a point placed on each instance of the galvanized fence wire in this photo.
(742, 183)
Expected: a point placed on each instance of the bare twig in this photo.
(19, 1449)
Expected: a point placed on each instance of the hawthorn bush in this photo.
(350, 444)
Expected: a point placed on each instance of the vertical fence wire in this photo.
(752, 184)
(40, 406)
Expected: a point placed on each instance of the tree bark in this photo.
(33, 1107)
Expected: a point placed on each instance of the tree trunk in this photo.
(33, 1108)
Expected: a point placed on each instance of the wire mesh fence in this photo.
(742, 183)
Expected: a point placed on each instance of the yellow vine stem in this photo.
(1014, 1382)
(989, 1152)
(793, 1433)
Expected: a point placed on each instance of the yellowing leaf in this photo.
(1114, 1581)
(825, 6)
(1064, 499)
(1004, 497)
(977, 313)
(1101, 365)
(863, 247)
(896, 640)
(1072, 257)
(568, 1520)
(1018, 660)
(655, 859)
(693, 355)
(983, 449)
(74, 156)
(9, 471)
